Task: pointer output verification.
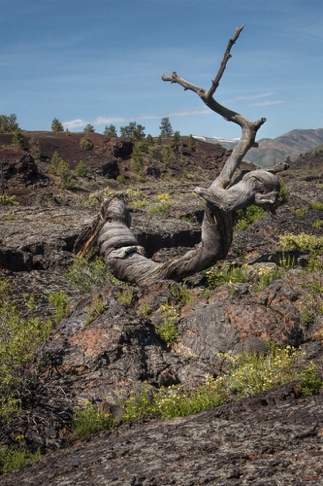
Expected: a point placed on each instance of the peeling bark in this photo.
(118, 244)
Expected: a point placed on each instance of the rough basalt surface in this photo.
(274, 438)
(270, 439)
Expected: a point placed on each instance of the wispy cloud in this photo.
(252, 97)
(268, 103)
(106, 120)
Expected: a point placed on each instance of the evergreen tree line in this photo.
(134, 131)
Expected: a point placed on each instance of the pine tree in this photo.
(166, 129)
(57, 126)
(110, 131)
(8, 124)
(132, 131)
(192, 143)
(89, 128)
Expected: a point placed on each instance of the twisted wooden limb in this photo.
(224, 196)
(120, 248)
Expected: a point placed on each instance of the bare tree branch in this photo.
(226, 57)
(224, 196)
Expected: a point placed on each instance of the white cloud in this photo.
(106, 120)
(253, 96)
(267, 103)
(70, 125)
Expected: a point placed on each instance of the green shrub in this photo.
(247, 216)
(300, 212)
(125, 296)
(138, 405)
(167, 329)
(303, 242)
(95, 309)
(317, 224)
(250, 373)
(90, 419)
(85, 274)
(65, 174)
(120, 178)
(61, 168)
(12, 459)
(81, 169)
(226, 274)
(311, 382)
(317, 205)
(8, 200)
(315, 263)
(245, 375)
(264, 275)
(161, 209)
(182, 294)
(86, 143)
(283, 193)
(20, 336)
(59, 300)
(54, 162)
(18, 140)
(34, 149)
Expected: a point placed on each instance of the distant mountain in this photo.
(272, 151)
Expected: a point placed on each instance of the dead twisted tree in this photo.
(119, 246)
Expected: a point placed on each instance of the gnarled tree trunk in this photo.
(119, 246)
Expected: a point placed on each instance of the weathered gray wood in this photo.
(118, 244)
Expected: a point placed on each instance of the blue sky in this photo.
(101, 61)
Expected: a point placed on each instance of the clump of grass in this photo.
(167, 329)
(6, 200)
(250, 373)
(89, 418)
(303, 242)
(161, 209)
(226, 274)
(12, 459)
(317, 224)
(145, 310)
(247, 216)
(59, 300)
(125, 296)
(20, 336)
(317, 205)
(264, 275)
(86, 274)
(300, 212)
(246, 374)
(94, 310)
(181, 294)
(287, 261)
(136, 198)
